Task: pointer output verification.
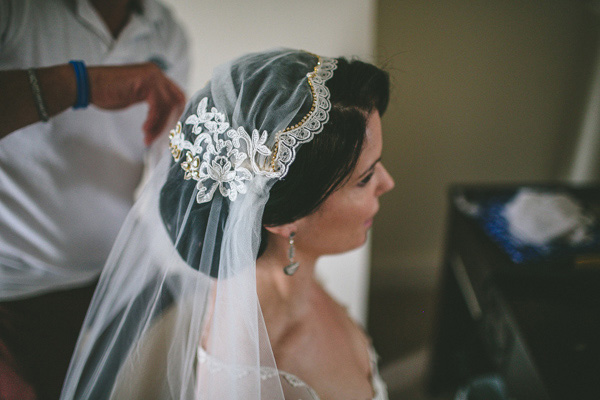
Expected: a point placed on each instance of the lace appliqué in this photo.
(292, 379)
(228, 155)
(215, 366)
(225, 158)
(312, 124)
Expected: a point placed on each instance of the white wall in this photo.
(223, 29)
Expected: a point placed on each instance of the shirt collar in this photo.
(140, 22)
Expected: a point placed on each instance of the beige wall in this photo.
(484, 91)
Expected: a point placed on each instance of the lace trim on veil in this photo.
(312, 124)
(214, 365)
(230, 157)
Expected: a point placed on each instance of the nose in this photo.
(386, 182)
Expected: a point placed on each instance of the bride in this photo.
(210, 291)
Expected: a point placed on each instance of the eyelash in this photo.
(366, 179)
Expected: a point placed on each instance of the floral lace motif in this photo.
(223, 152)
(225, 158)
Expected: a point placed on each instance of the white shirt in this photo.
(67, 185)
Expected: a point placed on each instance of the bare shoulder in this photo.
(327, 349)
(330, 312)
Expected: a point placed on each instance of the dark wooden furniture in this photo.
(537, 325)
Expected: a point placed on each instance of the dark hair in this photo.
(325, 163)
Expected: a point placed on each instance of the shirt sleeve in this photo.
(5, 8)
(178, 53)
(12, 15)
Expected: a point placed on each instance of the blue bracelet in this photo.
(83, 86)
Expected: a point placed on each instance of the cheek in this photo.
(355, 213)
(363, 203)
(338, 226)
(345, 212)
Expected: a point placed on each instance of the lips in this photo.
(369, 222)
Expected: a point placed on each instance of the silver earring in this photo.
(291, 268)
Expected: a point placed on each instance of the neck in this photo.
(270, 276)
(115, 13)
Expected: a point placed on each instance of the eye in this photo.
(363, 182)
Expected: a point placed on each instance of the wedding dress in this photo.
(292, 386)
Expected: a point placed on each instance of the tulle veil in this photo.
(175, 314)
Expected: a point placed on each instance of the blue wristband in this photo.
(83, 85)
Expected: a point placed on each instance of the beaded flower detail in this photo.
(217, 157)
(224, 158)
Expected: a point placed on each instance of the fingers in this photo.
(118, 87)
(166, 103)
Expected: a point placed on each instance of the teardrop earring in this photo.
(291, 268)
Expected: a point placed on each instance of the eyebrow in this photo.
(370, 168)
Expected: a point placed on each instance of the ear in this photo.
(282, 230)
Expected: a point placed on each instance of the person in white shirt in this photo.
(67, 175)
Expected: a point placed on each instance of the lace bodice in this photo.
(293, 387)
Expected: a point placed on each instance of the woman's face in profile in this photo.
(342, 222)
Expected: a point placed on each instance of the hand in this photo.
(117, 87)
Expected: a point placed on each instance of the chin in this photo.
(360, 242)
(346, 249)
(365, 239)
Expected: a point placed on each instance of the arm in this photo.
(111, 88)
(17, 107)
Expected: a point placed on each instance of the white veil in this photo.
(176, 313)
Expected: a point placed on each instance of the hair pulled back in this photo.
(325, 163)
